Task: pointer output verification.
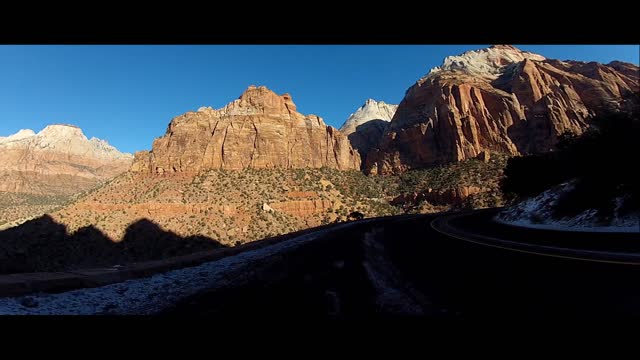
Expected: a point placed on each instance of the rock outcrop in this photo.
(498, 99)
(258, 130)
(59, 160)
(22, 134)
(365, 127)
(451, 196)
(303, 208)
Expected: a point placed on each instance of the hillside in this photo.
(228, 206)
(136, 217)
(39, 172)
(15, 208)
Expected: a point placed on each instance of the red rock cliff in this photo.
(259, 130)
(499, 99)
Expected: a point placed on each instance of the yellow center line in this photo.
(527, 251)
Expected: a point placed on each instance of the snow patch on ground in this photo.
(536, 213)
(391, 296)
(148, 295)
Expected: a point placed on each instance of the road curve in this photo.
(392, 267)
(478, 227)
(406, 268)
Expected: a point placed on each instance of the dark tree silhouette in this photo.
(355, 215)
(602, 162)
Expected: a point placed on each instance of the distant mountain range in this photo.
(59, 160)
(499, 99)
(298, 172)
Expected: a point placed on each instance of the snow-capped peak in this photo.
(489, 62)
(61, 131)
(63, 138)
(371, 110)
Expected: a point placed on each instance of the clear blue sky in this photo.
(128, 94)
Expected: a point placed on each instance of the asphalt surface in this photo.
(404, 267)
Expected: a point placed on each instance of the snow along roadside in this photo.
(560, 226)
(149, 295)
(536, 213)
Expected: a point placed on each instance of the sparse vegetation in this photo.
(229, 206)
(15, 207)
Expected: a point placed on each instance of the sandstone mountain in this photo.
(59, 160)
(365, 127)
(252, 168)
(258, 130)
(499, 99)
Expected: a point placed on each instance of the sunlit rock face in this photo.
(261, 129)
(498, 99)
(59, 160)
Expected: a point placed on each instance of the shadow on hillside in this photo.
(367, 136)
(43, 244)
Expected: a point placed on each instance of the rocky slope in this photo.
(252, 169)
(39, 172)
(229, 206)
(261, 129)
(365, 127)
(498, 99)
(232, 206)
(140, 215)
(59, 160)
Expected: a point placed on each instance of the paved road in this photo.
(478, 227)
(407, 268)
